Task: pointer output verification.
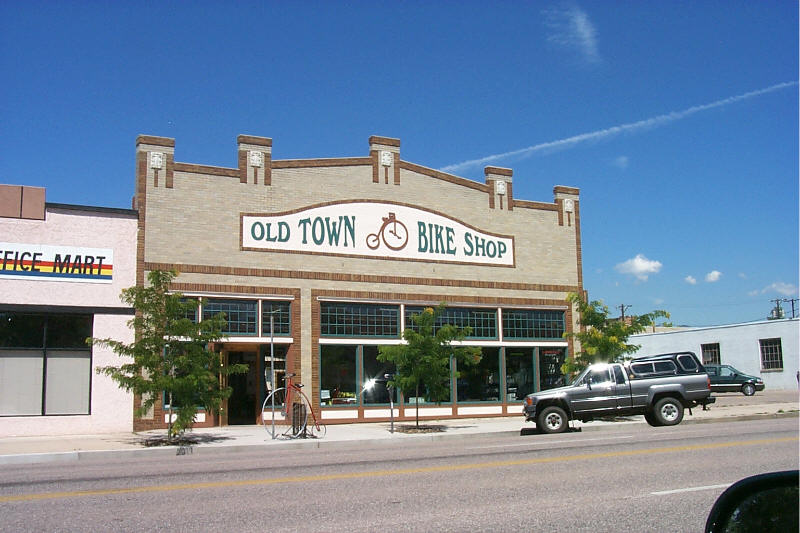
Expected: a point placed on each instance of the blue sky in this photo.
(677, 120)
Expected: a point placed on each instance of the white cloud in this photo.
(621, 162)
(690, 280)
(713, 276)
(742, 275)
(598, 135)
(571, 27)
(639, 266)
(784, 289)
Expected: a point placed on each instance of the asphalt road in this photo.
(622, 478)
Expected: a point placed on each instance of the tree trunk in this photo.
(416, 401)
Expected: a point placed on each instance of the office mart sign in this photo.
(62, 263)
(376, 229)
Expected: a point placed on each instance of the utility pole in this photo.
(622, 308)
(777, 311)
(792, 300)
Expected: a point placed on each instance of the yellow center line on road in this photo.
(380, 473)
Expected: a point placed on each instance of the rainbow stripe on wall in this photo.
(63, 263)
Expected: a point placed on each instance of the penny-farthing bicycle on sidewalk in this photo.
(393, 233)
(292, 405)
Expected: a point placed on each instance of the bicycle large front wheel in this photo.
(291, 417)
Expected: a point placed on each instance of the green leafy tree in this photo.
(170, 354)
(424, 360)
(602, 339)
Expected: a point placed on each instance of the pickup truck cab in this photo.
(659, 387)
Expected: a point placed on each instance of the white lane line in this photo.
(548, 442)
(691, 489)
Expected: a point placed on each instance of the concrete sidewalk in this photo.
(231, 439)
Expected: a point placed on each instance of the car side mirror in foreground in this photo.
(762, 503)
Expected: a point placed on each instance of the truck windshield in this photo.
(578, 380)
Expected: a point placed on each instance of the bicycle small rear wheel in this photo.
(316, 428)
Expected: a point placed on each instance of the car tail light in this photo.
(708, 382)
(529, 401)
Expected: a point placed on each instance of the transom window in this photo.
(359, 320)
(532, 324)
(771, 354)
(240, 314)
(482, 321)
(281, 318)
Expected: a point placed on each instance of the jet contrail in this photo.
(660, 120)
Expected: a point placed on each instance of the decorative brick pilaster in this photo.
(255, 159)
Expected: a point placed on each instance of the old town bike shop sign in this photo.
(375, 229)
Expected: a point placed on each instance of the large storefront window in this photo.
(338, 375)
(550, 360)
(480, 382)
(532, 324)
(482, 321)
(45, 365)
(375, 370)
(359, 320)
(519, 373)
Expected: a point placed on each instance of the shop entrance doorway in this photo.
(242, 402)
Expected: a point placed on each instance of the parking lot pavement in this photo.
(21, 450)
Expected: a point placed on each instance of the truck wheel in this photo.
(651, 419)
(552, 420)
(748, 389)
(668, 411)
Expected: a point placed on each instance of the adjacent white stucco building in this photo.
(767, 348)
(62, 268)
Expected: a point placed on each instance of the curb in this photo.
(173, 451)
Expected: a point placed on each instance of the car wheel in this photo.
(668, 411)
(748, 389)
(552, 420)
(651, 419)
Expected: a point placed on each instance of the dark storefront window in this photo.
(375, 370)
(338, 375)
(532, 324)
(359, 320)
(519, 373)
(482, 321)
(45, 364)
(480, 382)
(550, 361)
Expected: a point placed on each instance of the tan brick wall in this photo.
(198, 222)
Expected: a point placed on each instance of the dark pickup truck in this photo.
(659, 387)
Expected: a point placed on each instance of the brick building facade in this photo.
(340, 252)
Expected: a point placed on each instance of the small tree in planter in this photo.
(170, 354)
(424, 360)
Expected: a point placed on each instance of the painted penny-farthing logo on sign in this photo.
(393, 233)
